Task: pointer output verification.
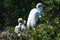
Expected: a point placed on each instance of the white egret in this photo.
(34, 15)
(21, 26)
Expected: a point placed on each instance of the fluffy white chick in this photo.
(21, 26)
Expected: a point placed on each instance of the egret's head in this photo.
(39, 6)
(20, 20)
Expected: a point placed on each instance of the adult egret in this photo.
(34, 15)
(21, 26)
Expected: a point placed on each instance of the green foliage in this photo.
(41, 32)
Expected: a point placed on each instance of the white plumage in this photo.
(21, 26)
(34, 15)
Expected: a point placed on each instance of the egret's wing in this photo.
(36, 15)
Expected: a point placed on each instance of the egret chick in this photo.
(21, 26)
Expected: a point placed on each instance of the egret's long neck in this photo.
(20, 24)
(40, 9)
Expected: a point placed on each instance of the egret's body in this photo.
(20, 28)
(34, 15)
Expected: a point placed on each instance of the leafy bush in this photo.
(41, 32)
